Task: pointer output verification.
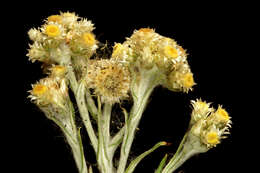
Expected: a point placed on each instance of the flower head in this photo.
(180, 79)
(49, 91)
(58, 71)
(37, 52)
(171, 52)
(39, 90)
(187, 80)
(222, 115)
(109, 79)
(52, 30)
(36, 35)
(88, 39)
(201, 110)
(55, 18)
(146, 30)
(206, 123)
(117, 49)
(212, 138)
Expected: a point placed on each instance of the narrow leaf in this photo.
(162, 164)
(135, 162)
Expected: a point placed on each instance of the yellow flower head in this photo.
(201, 110)
(39, 90)
(202, 105)
(88, 39)
(170, 52)
(52, 30)
(116, 49)
(58, 71)
(222, 115)
(188, 80)
(55, 18)
(146, 30)
(212, 138)
(49, 91)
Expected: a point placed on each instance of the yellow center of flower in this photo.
(116, 49)
(188, 80)
(52, 30)
(89, 39)
(55, 18)
(146, 30)
(58, 70)
(222, 114)
(202, 105)
(39, 90)
(212, 138)
(170, 52)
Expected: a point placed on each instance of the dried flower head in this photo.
(109, 79)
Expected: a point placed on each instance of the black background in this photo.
(211, 33)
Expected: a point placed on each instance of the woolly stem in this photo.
(103, 156)
(80, 99)
(141, 91)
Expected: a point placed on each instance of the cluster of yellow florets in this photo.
(59, 31)
(50, 91)
(148, 49)
(109, 79)
(181, 78)
(209, 125)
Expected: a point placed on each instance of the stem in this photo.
(141, 91)
(189, 146)
(106, 126)
(72, 78)
(74, 139)
(80, 98)
(103, 156)
(78, 153)
(91, 105)
(175, 158)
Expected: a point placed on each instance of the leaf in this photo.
(135, 162)
(162, 164)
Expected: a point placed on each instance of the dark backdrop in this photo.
(211, 35)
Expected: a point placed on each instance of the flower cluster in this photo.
(208, 124)
(51, 93)
(64, 33)
(109, 79)
(148, 49)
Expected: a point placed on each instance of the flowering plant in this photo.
(67, 47)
